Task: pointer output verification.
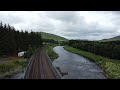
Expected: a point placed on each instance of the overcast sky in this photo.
(91, 25)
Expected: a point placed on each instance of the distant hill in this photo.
(52, 36)
(112, 39)
(115, 38)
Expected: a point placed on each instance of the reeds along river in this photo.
(76, 66)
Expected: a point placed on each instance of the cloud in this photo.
(92, 25)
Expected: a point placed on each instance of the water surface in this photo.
(76, 66)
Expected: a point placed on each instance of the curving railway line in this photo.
(40, 67)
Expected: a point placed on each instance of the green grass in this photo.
(12, 67)
(51, 53)
(52, 36)
(111, 67)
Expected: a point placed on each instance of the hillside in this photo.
(52, 36)
(112, 39)
(115, 38)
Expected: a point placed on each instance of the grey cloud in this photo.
(10, 18)
(69, 24)
(67, 16)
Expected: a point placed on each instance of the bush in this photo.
(6, 68)
(51, 52)
(29, 53)
(23, 63)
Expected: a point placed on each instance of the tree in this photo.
(109, 49)
(12, 41)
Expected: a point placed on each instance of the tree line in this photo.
(110, 49)
(50, 41)
(13, 41)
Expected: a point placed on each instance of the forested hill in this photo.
(52, 36)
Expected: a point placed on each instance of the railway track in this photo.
(40, 67)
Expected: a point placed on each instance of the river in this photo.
(76, 66)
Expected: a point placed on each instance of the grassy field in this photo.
(110, 67)
(11, 66)
(51, 53)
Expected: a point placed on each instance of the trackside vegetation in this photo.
(50, 51)
(13, 66)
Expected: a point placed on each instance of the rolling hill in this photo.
(115, 38)
(112, 39)
(52, 36)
